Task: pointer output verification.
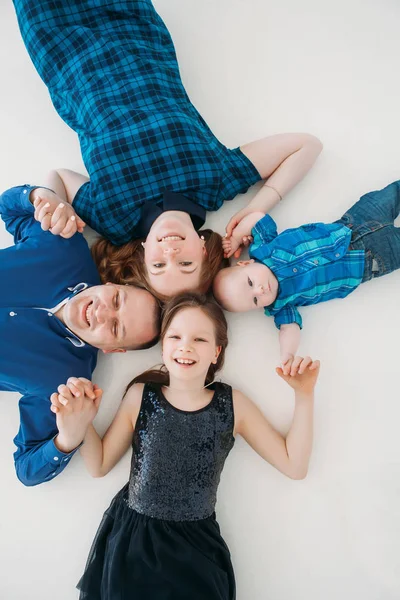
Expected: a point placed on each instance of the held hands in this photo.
(234, 245)
(75, 405)
(55, 215)
(302, 373)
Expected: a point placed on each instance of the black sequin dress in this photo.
(159, 539)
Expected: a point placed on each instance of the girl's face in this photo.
(173, 254)
(189, 345)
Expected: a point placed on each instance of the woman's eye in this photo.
(185, 263)
(116, 300)
(115, 329)
(250, 282)
(159, 265)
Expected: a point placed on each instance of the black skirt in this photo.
(135, 557)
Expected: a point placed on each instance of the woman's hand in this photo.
(75, 405)
(54, 214)
(234, 245)
(303, 374)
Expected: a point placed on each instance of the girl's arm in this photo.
(291, 455)
(101, 455)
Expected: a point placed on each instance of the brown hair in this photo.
(125, 264)
(213, 311)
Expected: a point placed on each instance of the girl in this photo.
(155, 167)
(159, 538)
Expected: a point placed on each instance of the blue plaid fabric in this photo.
(312, 264)
(112, 73)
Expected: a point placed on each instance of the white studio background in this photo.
(252, 68)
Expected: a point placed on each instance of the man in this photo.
(54, 315)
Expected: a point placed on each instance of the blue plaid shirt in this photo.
(113, 76)
(312, 264)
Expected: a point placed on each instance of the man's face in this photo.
(112, 317)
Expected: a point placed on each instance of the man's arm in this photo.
(37, 458)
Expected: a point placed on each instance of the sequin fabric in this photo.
(178, 456)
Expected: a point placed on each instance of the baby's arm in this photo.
(291, 455)
(240, 235)
(101, 455)
(289, 341)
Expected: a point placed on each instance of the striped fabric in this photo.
(312, 264)
(112, 73)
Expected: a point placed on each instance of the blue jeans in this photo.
(371, 221)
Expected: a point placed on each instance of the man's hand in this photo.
(75, 405)
(303, 374)
(54, 214)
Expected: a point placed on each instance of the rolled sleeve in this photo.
(287, 315)
(264, 231)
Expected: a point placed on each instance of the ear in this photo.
(113, 351)
(217, 353)
(109, 283)
(244, 263)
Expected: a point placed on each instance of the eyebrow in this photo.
(184, 272)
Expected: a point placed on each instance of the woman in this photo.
(113, 76)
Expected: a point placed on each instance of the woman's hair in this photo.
(125, 264)
(213, 311)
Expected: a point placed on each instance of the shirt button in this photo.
(337, 254)
(12, 313)
(49, 314)
(294, 270)
(25, 191)
(55, 458)
(315, 262)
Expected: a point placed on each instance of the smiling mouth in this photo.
(87, 314)
(185, 362)
(171, 238)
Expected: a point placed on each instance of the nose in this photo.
(185, 347)
(171, 251)
(103, 313)
(260, 290)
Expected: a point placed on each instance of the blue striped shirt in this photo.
(312, 264)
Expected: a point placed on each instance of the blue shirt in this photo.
(37, 352)
(113, 77)
(312, 264)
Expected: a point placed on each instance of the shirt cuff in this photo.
(54, 456)
(25, 195)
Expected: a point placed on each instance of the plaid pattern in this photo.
(312, 264)
(112, 73)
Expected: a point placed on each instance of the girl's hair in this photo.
(125, 264)
(213, 311)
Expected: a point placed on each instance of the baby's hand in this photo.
(55, 215)
(233, 245)
(303, 374)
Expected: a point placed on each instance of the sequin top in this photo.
(178, 456)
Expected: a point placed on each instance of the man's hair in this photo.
(157, 323)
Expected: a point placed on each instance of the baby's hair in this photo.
(213, 311)
(125, 264)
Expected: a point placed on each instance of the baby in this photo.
(309, 264)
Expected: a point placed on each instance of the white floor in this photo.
(252, 68)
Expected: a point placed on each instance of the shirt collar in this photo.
(171, 201)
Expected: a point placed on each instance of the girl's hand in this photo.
(55, 215)
(303, 374)
(75, 405)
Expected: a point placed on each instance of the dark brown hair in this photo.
(125, 264)
(213, 311)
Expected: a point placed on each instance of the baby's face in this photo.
(246, 286)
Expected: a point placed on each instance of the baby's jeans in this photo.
(371, 221)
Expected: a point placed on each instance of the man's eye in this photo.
(185, 263)
(255, 301)
(159, 265)
(116, 300)
(250, 282)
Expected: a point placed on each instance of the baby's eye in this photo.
(250, 282)
(255, 301)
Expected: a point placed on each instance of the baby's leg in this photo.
(382, 251)
(381, 206)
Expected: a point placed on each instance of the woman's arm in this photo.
(291, 455)
(66, 183)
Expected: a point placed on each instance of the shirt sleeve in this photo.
(288, 314)
(264, 231)
(17, 212)
(37, 458)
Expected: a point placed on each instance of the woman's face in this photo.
(173, 254)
